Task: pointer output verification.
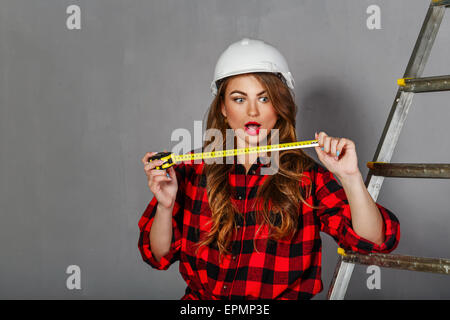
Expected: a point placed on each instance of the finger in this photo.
(321, 137)
(153, 164)
(327, 144)
(150, 167)
(171, 172)
(147, 156)
(340, 146)
(319, 147)
(333, 144)
(163, 178)
(156, 172)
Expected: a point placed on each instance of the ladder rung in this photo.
(426, 84)
(410, 170)
(440, 3)
(397, 261)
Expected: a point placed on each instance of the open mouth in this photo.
(252, 128)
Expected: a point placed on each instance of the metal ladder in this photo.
(380, 167)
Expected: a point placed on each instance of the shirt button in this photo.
(234, 257)
(225, 286)
(240, 197)
(238, 227)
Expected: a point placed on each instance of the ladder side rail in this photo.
(425, 41)
(341, 278)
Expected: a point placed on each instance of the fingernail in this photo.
(337, 153)
(322, 148)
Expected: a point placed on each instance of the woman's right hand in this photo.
(164, 188)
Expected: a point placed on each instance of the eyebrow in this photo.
(243, 93)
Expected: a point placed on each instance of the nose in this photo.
(252, 109)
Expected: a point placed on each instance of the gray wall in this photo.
(79, 108)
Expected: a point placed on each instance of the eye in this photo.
(238, 100)
(267, 99)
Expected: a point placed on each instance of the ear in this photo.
(224, 111)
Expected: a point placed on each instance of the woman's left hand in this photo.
(342, 164)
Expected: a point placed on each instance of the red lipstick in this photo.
(252, 128)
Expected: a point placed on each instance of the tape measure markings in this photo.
(233, 152)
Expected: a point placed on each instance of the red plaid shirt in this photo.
(278, 269)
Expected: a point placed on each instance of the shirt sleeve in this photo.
(335, 217)
(146, 221)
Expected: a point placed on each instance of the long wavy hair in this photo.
(280, 196)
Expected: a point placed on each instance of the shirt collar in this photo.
(255, 169)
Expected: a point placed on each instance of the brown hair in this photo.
(281, 191)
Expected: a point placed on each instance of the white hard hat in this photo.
(249, 55)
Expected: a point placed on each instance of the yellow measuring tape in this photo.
(170, 159)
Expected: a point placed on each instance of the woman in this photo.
(241, 234)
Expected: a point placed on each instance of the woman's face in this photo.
(248, 109)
